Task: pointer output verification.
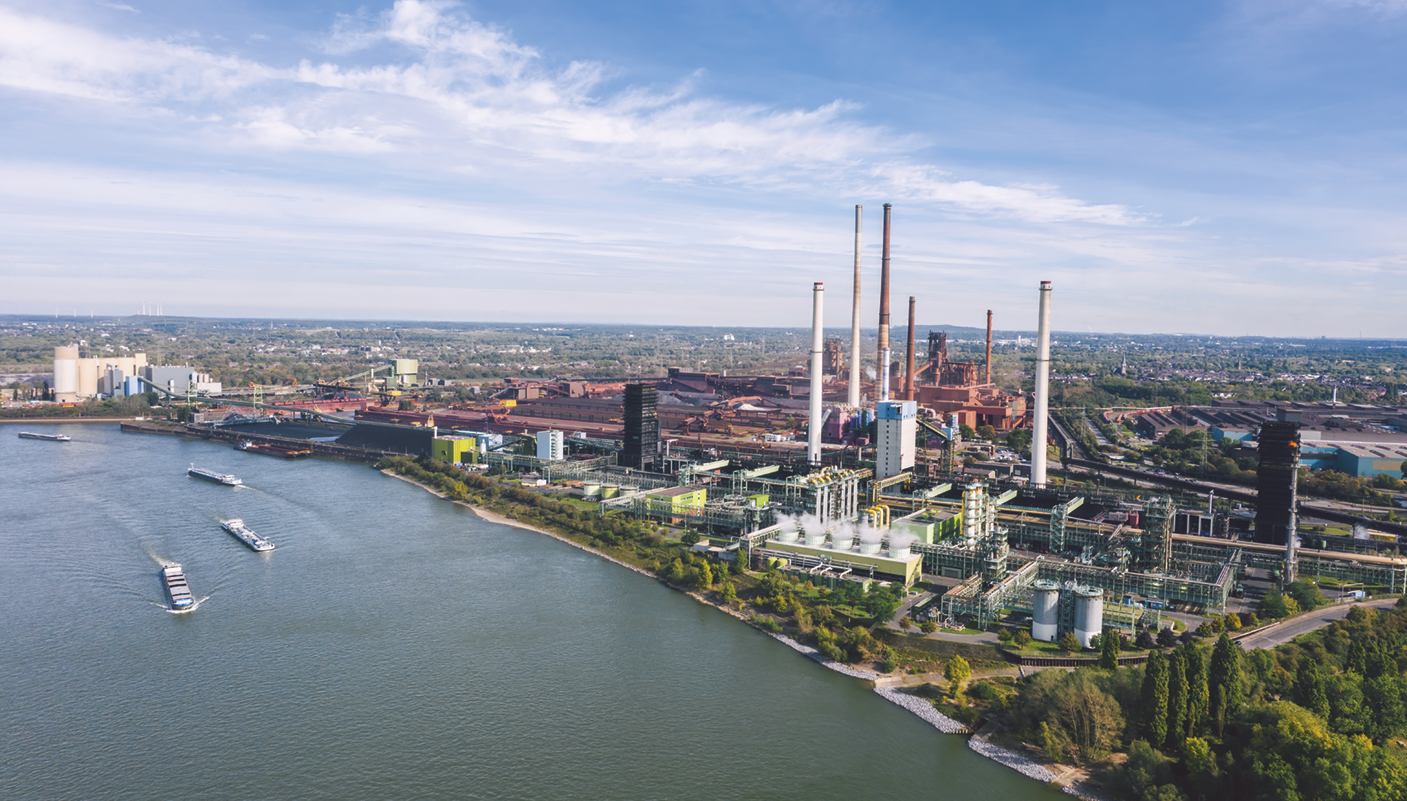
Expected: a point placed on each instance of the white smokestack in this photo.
(853, 396)
(1038, 437)
(813, 427)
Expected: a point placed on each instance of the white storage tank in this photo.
(1045, 611)
(591, 489)
(815, 539)
(899, 546)
(869, 547)
(842, 540)
(789, 533)
(1089, 613)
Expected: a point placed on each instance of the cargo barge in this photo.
(178, 592)
(246, 535)
(46, 437)
(210, 475)
(274, 449)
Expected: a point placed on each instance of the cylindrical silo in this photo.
(1045, 611)
(610, 490)
(1089, 613)
(591, 489)
(66, 372)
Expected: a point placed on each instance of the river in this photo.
(394, 646)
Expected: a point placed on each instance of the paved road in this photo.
(1284, 632)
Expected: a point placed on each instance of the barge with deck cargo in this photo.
(246, 535)
(178, 591)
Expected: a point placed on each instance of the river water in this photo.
(394, 646)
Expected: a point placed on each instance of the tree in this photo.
(1051, 743)
(1177, 700)
(729, 594)
(966, 432)
(1109, 651)
(986, 432)
(905, 623)
(928, 627)
(1069, 643)
(1021, 638)
(1226, 684)
(1088, 715)
(1307, 595)
(1155, 698)
(1197, 691)
(1309, 689)
(956, 672)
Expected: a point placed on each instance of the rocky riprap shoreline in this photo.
(825, 660)
(1011, 759)
(924, 709)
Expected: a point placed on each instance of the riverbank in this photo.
(921, 708)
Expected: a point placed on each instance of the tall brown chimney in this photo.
(883, 373)
(909, 372)
(989, 347)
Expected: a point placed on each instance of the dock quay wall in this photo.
(326, 449)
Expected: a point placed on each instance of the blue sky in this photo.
(1212, 167)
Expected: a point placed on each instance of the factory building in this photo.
(1277, 477)
(895, 434)
(454, 449)
(78, 378)
(551, 446)
(641, 444)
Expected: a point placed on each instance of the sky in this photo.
(1225, 168)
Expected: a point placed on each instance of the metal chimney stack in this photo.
(909, 369)
(883, 375)
(853, 396)
(813, 426)
(989, 347)
(1042, 420)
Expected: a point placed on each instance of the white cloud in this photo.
(119, 7)
(464, 95)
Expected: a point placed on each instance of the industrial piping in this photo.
(813, 425)
(989, 347)
(909, 370)
(882, 376)
(1038, 437)
(853, 396)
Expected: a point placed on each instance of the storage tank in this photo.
(66, 372)
(1045, 611)
(591, 489)
(610, 490)
(1089, 613)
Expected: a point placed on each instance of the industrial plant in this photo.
(842, 473)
